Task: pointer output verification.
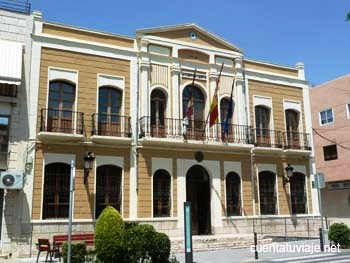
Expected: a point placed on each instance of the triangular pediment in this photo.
(190, 33)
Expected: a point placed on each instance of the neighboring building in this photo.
(16, 25)
(330, 106)
(120, 102)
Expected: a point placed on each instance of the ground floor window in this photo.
(267, 193)
(298, 193)
(233, 194)
(161, 193)
(108, 187)
(56, 191)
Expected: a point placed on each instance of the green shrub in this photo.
(160, 251)
(129, 225)
(339, 233)
(139, 241)
(109, 236)
(79, 252)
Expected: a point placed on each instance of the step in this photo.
(217, 242)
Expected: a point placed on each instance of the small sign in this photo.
(188, 233)
(319, 181)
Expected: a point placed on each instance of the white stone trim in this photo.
(235, 167)
(167, 165)
(262, 101)
(159, 50)
(109, 160)
(111, 80)
(63, 74)
(213, 169)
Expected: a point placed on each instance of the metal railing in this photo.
(111, 125)
(16, 6)
(193, 130)
(267, 138)
(296, 140)
(62, 121)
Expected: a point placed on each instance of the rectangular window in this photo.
(4, 141)
(330, 152)
(348, 110)
(326, 116)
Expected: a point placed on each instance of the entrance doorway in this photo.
(198, 193)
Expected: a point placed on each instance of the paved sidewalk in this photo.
(245, 255)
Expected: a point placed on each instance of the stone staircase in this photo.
(217, 242)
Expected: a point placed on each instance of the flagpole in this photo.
(216, 90)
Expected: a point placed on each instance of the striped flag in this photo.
(214, 111)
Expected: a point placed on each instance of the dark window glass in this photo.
(108, 188)
(224, 105)
(56, 191)
(158, 107)
(161, 194)
(4, 140)
(330, 152)
(298, 193)
(198, 102)
(262, 120)
(233, 194)
(267, 193)
(326, 116)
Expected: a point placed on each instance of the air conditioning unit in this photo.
(12, 180)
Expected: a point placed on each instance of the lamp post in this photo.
(289, 170)
(88, 160)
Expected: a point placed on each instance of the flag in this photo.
(229, 111)
(347, 17)
(189, 111)
(214, 111)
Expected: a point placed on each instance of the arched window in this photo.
(56, 191)
(60, 115)
(262, 124)
(224, 106)
(161, 194)
(108, 187)
(298, 193)
(158, 110)
(197, 121)
(109, 108)
(267, 193)
(198, 102)
(292, 128)
(233, 194)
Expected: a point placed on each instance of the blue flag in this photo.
(229, 112)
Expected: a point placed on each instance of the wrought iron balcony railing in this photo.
(296, 140)
(62, 121)
(267, 138)
(111, 125)
(193, 130)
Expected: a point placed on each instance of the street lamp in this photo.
(289, 171)
(88, 159)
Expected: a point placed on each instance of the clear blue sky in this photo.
(283, 32)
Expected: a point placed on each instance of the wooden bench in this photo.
(88, 239)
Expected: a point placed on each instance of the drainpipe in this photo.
(252, 178)
(137, 123)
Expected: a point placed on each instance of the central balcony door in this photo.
(292, 129)
(60, 115)
(158, 113)
(109, 106)
(196, 123)
(262, 122)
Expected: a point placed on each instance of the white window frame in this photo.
(347, 106)
(320, 118)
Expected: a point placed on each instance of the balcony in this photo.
(178, 129)
(61, 124)
(296, 141)
(110, 127)
(267, 138)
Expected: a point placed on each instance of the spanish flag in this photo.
(214, 111)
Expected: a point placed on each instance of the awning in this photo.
(10, 62)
